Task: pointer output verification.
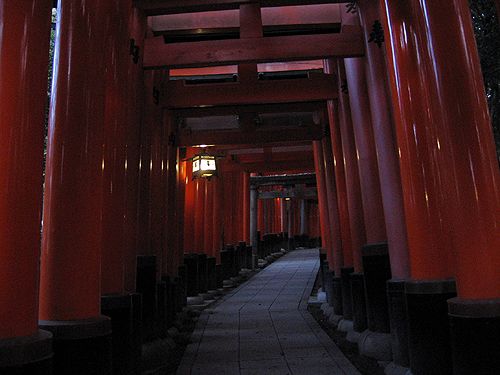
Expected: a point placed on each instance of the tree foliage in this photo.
(487, 29)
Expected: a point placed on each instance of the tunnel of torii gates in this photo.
(382, 100)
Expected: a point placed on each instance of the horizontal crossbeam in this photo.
(235, 137)
(158, 54)
(319, 87)
(157, 7)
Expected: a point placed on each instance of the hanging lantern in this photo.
(204, 165)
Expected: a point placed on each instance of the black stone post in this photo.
(182, 286)
(359, 321)
(225, 258)
(377, 271)
(119, 308)
(81, 347)
(191, 263)
(429, 339)
(337, 296)
(398, 322)
(219, 274)
(475, 331)
(211, 274)
(27, 355)
(146, 286)
(345, 274)
(202, 273)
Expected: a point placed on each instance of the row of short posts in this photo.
(143, 323)
(403, 323)
(358, 304)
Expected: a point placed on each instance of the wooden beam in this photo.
(157, 7)
(289, 193)
(316, 88)
(157, 54)
(245, 109)
(275, 166)
(234, 137)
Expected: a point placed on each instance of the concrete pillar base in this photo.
(345, 325)
(81, 347)
(398, 322)
(353, 336)
(31, 355)
(475, 342)
(337, 295)
(345, 274)
(119, 309)
(358, 302)
(195, 300)
(375, 345)
(394, 369)
(335, 319)
(429, 339)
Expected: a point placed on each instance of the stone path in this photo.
(263, 327)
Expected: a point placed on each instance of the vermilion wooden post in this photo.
(189, 209)
(323, 203)
(366, 153)
(199, 215)
(156, 182)
(72, 233)
(24, 46)
(208, 220)
(333, 207)
(114, 174)
(390, 178)
(170, 223)
(450, 180)
(246, 207)
(349, 149)
(134, 116)
(340, 179)
(217, 216)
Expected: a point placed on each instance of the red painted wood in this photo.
(24, 44)
(157, 54)
(214, 137)
(448, 163)
(114, 208)
(137, 24)
(340, 179)
(218, 193)
(72, 232)
(246, 207)
(316, 88)
(189, 210)
(180, 210)
(385, 142)
(324, 219)
(367, 155)
(354, 199)
(155, 7)
(333, 206)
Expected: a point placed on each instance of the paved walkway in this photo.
(263, 327)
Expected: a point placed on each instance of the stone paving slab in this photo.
(262, 327)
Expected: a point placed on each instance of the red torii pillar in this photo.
(354, 197)
(246, 207)
(332, 205)
(390, 178)
(451, 182)
(24, 46)
(217, 220)
(117, 254)
(70, 287)
(324, 219)
(136, 27)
